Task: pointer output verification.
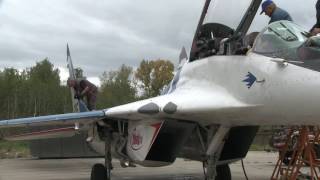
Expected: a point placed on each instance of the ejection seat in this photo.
(246, 43)
(209, 38)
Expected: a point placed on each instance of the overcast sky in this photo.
(103, 34)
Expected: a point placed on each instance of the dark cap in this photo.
(265, 4)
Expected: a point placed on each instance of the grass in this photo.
(14, 149)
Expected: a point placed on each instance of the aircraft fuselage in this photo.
(263, 91)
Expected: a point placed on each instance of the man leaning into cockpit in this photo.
(316, 28)
(275, 13)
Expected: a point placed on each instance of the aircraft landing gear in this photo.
(100, 171)
(212, 171)
(108, 158)
(222, 172)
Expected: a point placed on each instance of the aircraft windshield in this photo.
(227, 12)
(279, 37)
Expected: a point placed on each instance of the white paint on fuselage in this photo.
(289, 94)
(212, 91)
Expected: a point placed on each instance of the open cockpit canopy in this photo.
(226, 12)
(223, 23)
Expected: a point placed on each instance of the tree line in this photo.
(38, 90)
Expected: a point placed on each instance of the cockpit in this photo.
(232, 34)
(280, 39)
(209, 40)
(220, 32)
(287, 40)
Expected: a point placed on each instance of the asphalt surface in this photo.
(259, 166)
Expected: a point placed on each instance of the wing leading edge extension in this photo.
(201, 107)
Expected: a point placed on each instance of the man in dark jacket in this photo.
(316, 28)
(274, 12)
(84, 88)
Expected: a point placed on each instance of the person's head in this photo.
(71, 82)
(268, 7)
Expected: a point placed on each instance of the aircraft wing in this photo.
(205, 108)
(60, 119)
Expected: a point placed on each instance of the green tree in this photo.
(152, 76)
(43, 82)
(11, 88)
(32, 92)
(116, 87)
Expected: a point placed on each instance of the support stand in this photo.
(304, 153)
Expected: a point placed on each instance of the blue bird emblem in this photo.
(250, 79)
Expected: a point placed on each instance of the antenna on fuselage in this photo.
(183, 54)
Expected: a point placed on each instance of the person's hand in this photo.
(315, 31)
(77, 96)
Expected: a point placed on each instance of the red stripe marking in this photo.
(45, 132)
(157, 127)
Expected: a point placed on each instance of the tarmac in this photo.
(258, 165)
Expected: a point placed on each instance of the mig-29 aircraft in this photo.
(232, 83)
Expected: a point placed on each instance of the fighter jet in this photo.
(232, 83)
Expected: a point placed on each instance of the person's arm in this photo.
(315, 31)
(86, 89)
(76, 93)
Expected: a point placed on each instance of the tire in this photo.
(223, 172)
(99, 172)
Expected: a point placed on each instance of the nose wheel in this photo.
(99, 172)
